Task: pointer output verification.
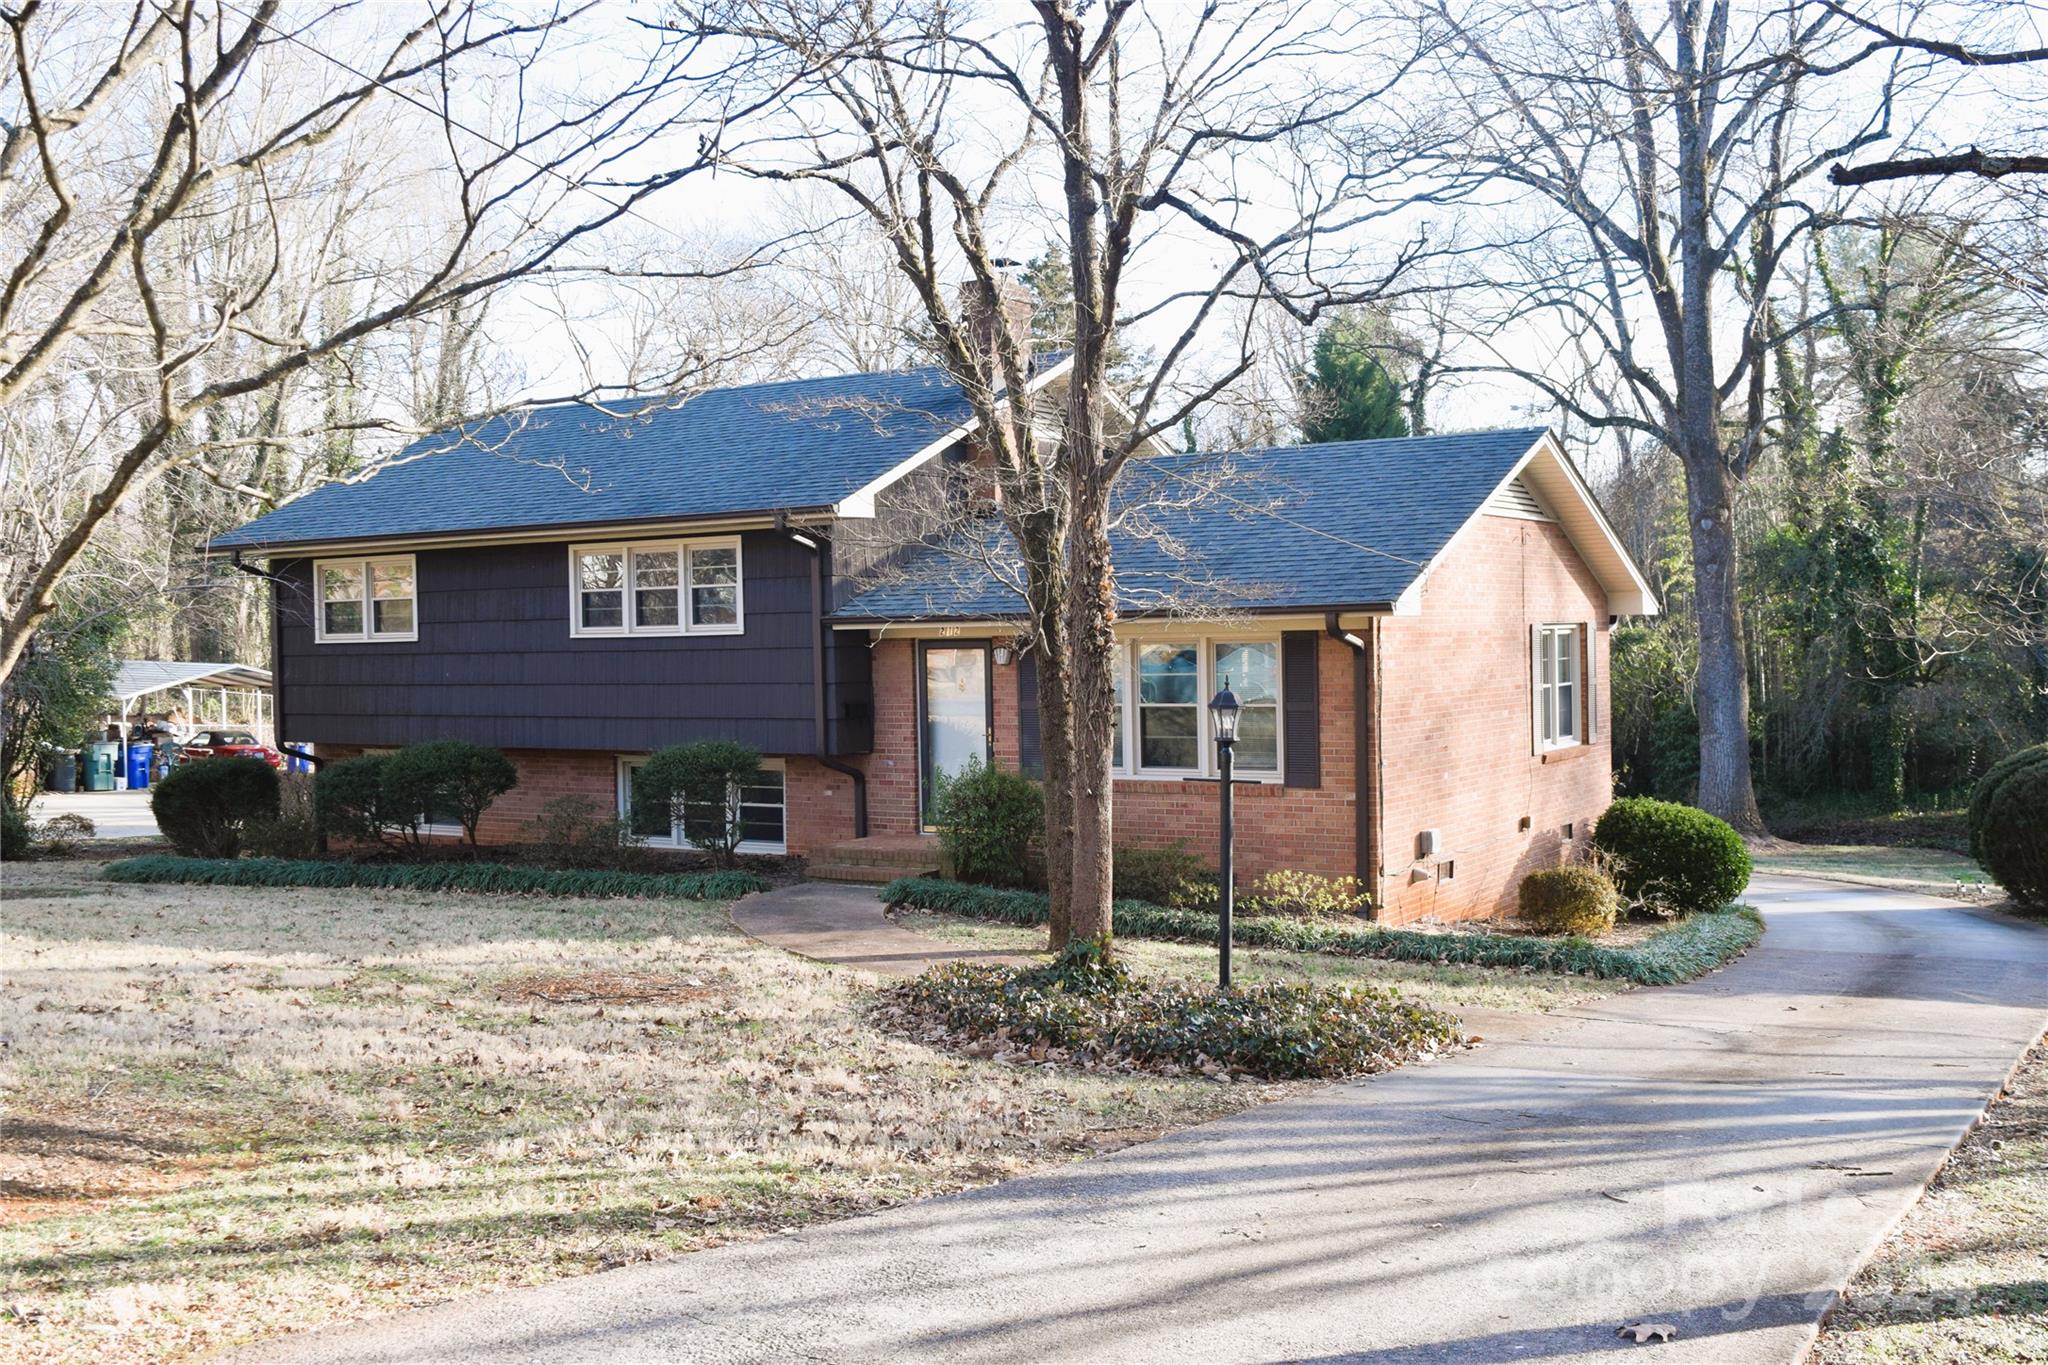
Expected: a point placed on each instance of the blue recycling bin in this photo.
(141, 756)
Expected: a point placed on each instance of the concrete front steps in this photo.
(876, 859)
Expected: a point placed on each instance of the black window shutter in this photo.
(1030, 755)
(1300, 697)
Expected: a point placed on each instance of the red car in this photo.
(228, 744)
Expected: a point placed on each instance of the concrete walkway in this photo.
(1718, 1156)
(835, 922)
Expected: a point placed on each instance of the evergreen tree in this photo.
(1349, 393)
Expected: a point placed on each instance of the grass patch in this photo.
(1965, 1275)
(1082, 1009)
(1931, 872)
(234, 1111)
(1688, 949)
(490, 879)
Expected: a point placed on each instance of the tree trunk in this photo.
(1056, 745)
(1722, 691)
(1091, 644)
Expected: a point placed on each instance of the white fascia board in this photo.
(861, 502)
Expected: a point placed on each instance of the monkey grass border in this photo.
(1686, 950)
(494, 879)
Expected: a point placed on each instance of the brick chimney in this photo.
(1014, 305)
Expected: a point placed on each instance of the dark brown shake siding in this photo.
(495, 663)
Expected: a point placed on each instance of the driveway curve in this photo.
(1718, 1157)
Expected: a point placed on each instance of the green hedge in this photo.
(484, 878)
(1680, 953)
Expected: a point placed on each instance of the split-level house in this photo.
(1418, 629)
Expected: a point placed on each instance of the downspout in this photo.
(820, 748)
(311, 760)
(1364, 775)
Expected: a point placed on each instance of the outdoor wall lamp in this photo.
(1223, 713)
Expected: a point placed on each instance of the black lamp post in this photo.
(1224, 710)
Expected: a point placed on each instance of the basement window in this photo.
(762, 807)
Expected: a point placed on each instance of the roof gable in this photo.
(752, 449)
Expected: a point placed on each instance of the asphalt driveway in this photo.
(1717, 1157)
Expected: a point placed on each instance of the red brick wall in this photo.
(1278, 827)
(819, 800)
(1454, 724)
(1305, 829)
(892, 767)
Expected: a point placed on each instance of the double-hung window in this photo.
(1252, 673)
(366, 599)
(667, 587)
(1170, 707)
(1163, 726)
(1555, 677)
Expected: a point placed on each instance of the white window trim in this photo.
(685, 615)
(369, 634)
(674, 838)
(1133, 770)
(1544, 642)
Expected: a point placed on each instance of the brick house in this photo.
(1418, 628)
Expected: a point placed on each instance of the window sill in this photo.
(1200, 779)
(1568, 753)
(366, 639)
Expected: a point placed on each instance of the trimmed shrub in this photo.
(348, 800)
(293, 834)
(698, 787)
(1679, 953)
(492, 879)
(446, 779)
(1672, 859)
(1085, 1008)
(1987, 787)
(1304, 895)
(203, 808)
(2015, 835)
(1164, 876)
(574, 831)
(15, 841)
(988, 818)
(1569, 900)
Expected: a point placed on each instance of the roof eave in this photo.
(531, 533)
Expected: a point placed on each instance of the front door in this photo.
(953, 714)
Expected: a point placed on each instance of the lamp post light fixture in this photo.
(1223, 712)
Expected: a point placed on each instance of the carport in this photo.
(210, 695)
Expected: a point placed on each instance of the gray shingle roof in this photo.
(749, 449)
(1349, 523)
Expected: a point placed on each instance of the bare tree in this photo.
(187, 223)
(1138, 139)
(1993, 45)
(1668, 155)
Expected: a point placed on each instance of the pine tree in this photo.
(1349, 393)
